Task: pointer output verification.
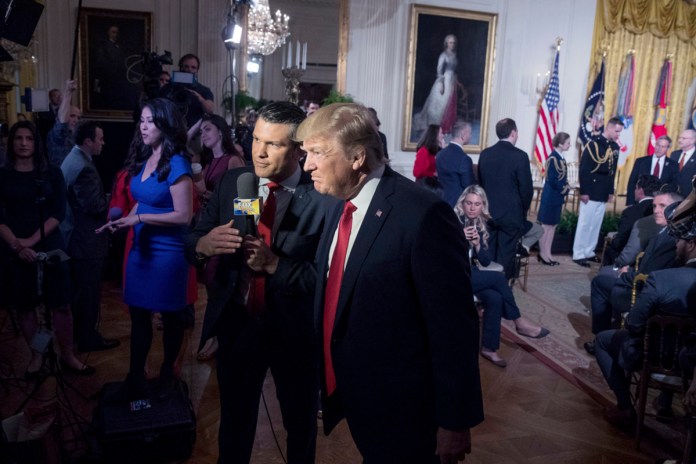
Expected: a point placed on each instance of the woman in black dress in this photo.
(553, 197)
(31, 191)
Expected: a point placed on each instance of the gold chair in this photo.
(664, 338)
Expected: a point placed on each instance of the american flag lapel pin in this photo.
(378, 213)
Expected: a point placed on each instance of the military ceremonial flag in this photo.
(548, 117)
(662, 98)
(592, 122)
(624, 107)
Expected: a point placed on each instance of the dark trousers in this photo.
(86, 299)
(173, 322)
(247, 349)
(492, 289)
(600, 301)
(607, 349)
(503, 242)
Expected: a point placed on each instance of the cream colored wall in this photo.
(526, 34)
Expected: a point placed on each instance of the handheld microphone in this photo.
(247, 203)
(115, 213)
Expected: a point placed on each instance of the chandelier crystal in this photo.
(265, 34)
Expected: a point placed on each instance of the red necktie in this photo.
(681, 161)
(333, 289)
(656, 171)
(257, 292)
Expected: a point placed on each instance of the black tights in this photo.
(141, 339)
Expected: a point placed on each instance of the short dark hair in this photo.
(559, 139)
(664, 137)
(283, 112)
(86, 130)
(505, 127)
(649, 184)
(189, 56)
(614, 121)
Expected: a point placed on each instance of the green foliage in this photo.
(568, 223)
(610, 223)
(337, 97)
(242, 101)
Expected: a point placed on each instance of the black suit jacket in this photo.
(290, 291)
(405, 339)
(685, 177)
(669, 173)
(598, 164)
(505, 174)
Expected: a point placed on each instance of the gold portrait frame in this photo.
(475, 33)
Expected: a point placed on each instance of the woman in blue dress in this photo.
(553, 196)
(156, 271)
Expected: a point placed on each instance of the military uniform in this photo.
(598, 165)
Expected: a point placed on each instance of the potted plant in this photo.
(565, 233)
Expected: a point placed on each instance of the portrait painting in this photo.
(112, 43)
(450, 65)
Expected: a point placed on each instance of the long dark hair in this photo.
(169, 120)
(430, 139)
(227, 143)
(40, 163)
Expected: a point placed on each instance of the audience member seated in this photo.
(645, 187)
(60, 138)
(611, 292)
(20, 230)
(667, 291)
(490, 286)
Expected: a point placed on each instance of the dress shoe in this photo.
(624, 418)
(589, 347)
(101, 345)
(500, 362)
(582, 262)
(595, 259)
(83, 371)
(542, 333)
(522, 251)
(544, 262)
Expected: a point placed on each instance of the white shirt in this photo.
(659, 160)
(361, 202)
(687, 155)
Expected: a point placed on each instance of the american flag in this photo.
(548, 118)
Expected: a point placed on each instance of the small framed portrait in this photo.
(112, 43)
(450, 67)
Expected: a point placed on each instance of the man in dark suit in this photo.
(46, 119)
(668, 291)
(505, 174)
(260, 304)
(86, 212)
(455, 170)
(644, 188)
(394, 304)
(611, 292)
(686, 161)
(598, 164)
(658, 165)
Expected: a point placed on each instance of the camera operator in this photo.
(198, 99)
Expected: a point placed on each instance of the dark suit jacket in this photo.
(684, 178)
(597, 178)
(505, 174)
(405, 338)
(87, 207)
(669, 173)
(455, 171)
(629, 216)
(290, 291)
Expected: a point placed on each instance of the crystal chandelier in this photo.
(265, 34)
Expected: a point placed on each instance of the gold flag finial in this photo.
(559, 41)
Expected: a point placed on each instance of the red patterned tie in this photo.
(656, 171)
(257, 291)
(681, 161)
(333, 289)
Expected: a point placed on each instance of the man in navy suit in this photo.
(394, 306)
(657, 165)
(505, 175)
(455, 170)
(686, 161)
(277, 331)
(668, 291)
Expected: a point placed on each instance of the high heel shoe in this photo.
(543, 261)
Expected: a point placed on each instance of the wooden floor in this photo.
(533, 415)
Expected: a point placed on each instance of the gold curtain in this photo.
(654, 29)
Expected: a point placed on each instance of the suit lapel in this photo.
(299, 201)
(375, 217)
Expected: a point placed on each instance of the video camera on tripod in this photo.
(152, 69)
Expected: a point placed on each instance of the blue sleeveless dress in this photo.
(157, 271)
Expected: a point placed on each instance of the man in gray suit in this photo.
(87, 207)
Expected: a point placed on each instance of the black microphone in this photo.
(115, 213)
(247, 203)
